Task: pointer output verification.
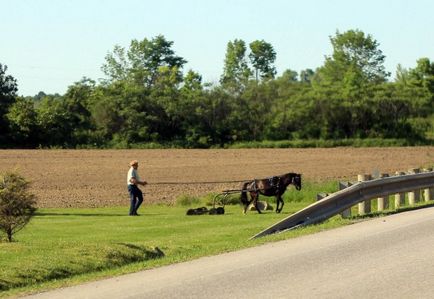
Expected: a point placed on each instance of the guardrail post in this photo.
(428, 192)
(383, 202)
(413, 196)
(364, 206)
(321, 195)
(346, 213)
(399, 197)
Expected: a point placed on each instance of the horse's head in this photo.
(296, 180)
(292, 178)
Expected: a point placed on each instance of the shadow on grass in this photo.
(78, 214)
(134, 254)
(42, 214)
(4, 285)
(120, 255)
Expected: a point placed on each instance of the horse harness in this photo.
(273, 181)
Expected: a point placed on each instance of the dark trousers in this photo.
(136, 198)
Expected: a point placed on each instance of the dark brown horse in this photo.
(272, 186)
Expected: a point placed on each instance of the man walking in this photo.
(136, 195)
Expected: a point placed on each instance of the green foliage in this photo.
(141, 63)
(423, 74)
(309, 143)
(236, 71)
(8, 90)
(306, 75)
(356, 60)
(262, 57)
(308, 191)
(17, 205)
(23, 125)
(187, 200)
(147, 102)
(54, 121)
(218, 199)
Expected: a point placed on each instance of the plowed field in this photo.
(96, 178)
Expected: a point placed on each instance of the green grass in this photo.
(65, 244)
(69, 246)
(292, 143)
(328, 143)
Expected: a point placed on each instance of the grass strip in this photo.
(63, 247)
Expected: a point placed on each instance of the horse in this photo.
(272, 186)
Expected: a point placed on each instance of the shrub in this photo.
(231, 199)
(187, 200)
(17, 206)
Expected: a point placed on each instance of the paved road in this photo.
(390, 257)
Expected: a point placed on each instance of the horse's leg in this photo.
(247, 203)
(279, 200)
(244, 197)
(256, 203)
(277, 205)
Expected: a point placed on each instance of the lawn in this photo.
(62, 247)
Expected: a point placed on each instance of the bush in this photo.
(231, 199)
(17, 206)
(187, 200)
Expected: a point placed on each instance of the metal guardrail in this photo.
(339, 201)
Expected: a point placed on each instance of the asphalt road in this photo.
(390, 257)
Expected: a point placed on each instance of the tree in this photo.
(142, 61)
(77, 101)
(17, 205)
(22, 122)
(400, 111)
(8, 90)
(345, 83)
(259, 100)
(306, 75)
(192, 82)
(236, 72)
(262, 57)
(166, 94)
(215, 117)
(116, 66)
(107, 109)
(191, 98)
(422, 78)
(402, 75)
(55, 121)
(423, 74)
(355, 62)
(289, 76)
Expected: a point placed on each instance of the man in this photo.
(136, 195)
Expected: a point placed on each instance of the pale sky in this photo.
(50, 44)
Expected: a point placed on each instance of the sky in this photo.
(48, 45)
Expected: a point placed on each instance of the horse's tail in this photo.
(243, 196)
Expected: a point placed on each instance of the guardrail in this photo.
(358, 193)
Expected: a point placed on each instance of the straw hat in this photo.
(134, 162)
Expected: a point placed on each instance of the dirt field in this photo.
(95, 178)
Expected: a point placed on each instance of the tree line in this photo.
(147, 98)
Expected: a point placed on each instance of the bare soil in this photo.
(97, 178)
